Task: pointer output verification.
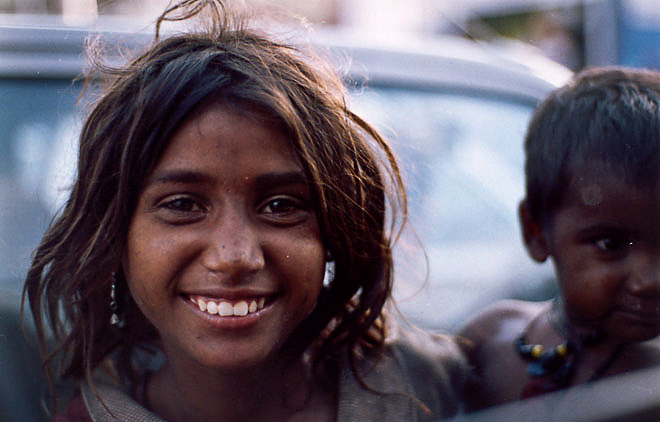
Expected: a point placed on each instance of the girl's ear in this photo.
(533, 234)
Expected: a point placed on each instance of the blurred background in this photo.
(576, 33)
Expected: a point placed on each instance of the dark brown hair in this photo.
(354, 178)
(604, 120)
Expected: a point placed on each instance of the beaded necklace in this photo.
(553, 369)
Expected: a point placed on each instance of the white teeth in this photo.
(225, 309)
(202, 305)
(241, 308)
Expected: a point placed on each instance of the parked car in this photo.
(455, 110)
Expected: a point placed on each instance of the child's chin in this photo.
(638, 333)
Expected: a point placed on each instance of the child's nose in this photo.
(233, 246)
(646, 280)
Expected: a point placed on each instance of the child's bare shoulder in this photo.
(506, 315)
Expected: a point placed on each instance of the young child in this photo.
(221, 179)
(592, 206)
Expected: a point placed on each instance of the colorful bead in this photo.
(544, 362)
(562, 349)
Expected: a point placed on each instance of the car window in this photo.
(462, 158)
(38, 128)
(452, 145)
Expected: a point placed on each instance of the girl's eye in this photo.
(285, 210)
(183, 205)
(280, 206)
(178, 210)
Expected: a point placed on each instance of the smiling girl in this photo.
(225, 250)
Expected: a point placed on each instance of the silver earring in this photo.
(115, 321)
(329, 273)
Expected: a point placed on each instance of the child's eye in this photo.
(612, 244)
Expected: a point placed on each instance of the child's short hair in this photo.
(350, 169)
(604, 120)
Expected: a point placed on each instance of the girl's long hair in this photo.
(358, 193)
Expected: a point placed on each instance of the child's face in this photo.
(225, 225)
(605, 243)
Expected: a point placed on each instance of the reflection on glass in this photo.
(37, 156)
(463, 159)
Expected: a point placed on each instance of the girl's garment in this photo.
(416, 367)
(418, 378)
(76, 411)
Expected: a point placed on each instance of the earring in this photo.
(329, 273)
(115, 321)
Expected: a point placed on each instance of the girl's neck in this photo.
(184, 391)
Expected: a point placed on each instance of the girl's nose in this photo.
(233, 247)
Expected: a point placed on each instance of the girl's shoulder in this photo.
(418, 375)
(410, 345)
(435, 363)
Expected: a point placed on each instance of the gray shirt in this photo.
(418, 378)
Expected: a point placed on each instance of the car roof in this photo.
(35, 46)
(40, 46)
(505, 67)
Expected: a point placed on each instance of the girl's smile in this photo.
(226, 313)
(224, 254)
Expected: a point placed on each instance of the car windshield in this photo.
(37, 157)
(462, 158)
(451, 156)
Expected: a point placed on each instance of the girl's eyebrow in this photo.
(178, 176)
(264, 181)
(269, 180)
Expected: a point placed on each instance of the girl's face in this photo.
(605, 244)
(223, 253)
